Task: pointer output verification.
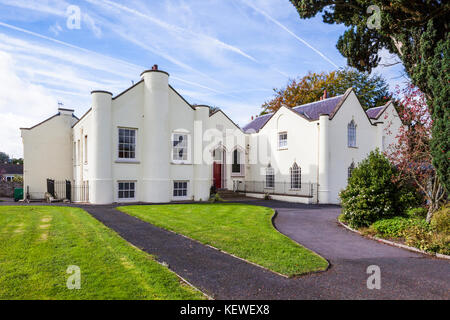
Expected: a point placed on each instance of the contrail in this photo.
(290, 32)
(138, 67)
(174, 28)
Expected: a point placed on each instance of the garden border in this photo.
(395, 244)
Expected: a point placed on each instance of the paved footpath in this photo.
(404, 274)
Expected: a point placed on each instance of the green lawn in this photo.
(243, 230)
(37, 244)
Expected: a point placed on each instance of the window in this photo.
(127, 143)
(74, 153)
(180, 147)
(180, 189)
(282, 140)
(296, 177)
(85, 149)
(350, 170)
(218, 154)
(9, 179)
(270, 177)
(351, 134)
(236, 167)
(78, 152)
(127, 190)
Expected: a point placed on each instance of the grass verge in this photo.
(243, 230)
(38, 244)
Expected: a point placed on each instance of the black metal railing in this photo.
(66, 190)
(278, 188)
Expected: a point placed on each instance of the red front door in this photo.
(217, 175)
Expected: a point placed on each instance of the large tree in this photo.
(415, 31)
(3, 157)
(371, 90)
(412, 154)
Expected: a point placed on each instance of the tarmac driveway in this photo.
(404, 274)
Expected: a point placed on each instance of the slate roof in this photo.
(257, 123)
(313, 110)
(7, 168)
(374, 113)
(310, 111)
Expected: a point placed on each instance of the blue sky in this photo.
(229, 54)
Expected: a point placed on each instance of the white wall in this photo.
(302, 148)
(48, 152)
(341, 156)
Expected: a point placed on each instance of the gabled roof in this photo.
(48, 119)
(375, 113)
(9, 168)
(257, 123)
(310, 111)
(313, 110)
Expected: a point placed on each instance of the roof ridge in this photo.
(306, 104)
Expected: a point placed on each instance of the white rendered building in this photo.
(148, 144)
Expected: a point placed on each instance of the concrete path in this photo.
(404, 275)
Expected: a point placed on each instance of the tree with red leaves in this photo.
(412, 154)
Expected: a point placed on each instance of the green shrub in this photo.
(398, 226)
(215, 198)
(417, 212)
(441, 220)
(371, 194)
(342, 218)
(428, 240)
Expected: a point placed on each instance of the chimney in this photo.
(325, 94)
(155, 67)
(252, 118)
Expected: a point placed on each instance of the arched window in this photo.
(350, 170)
(351, 134)
(270, 177)
(296, 176)
(237, 163)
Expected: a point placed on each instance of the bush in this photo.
(397, 227)
(417, 212)
(428, 240)
(212, 190)
(215, 198)
(441, 220)
(371, 193)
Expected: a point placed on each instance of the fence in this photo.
(62, 190)
(279, 188)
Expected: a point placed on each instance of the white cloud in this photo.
(55, 29)
(22, 104)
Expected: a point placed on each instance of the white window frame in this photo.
(241, 159)
(282, 143)
(187, 147)
(296, 177)
(124, 159)
(180, 197)
(78, 152)
(134, 190)
(269, 172)
(350, 170)
(351, 133)
(85, 149)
